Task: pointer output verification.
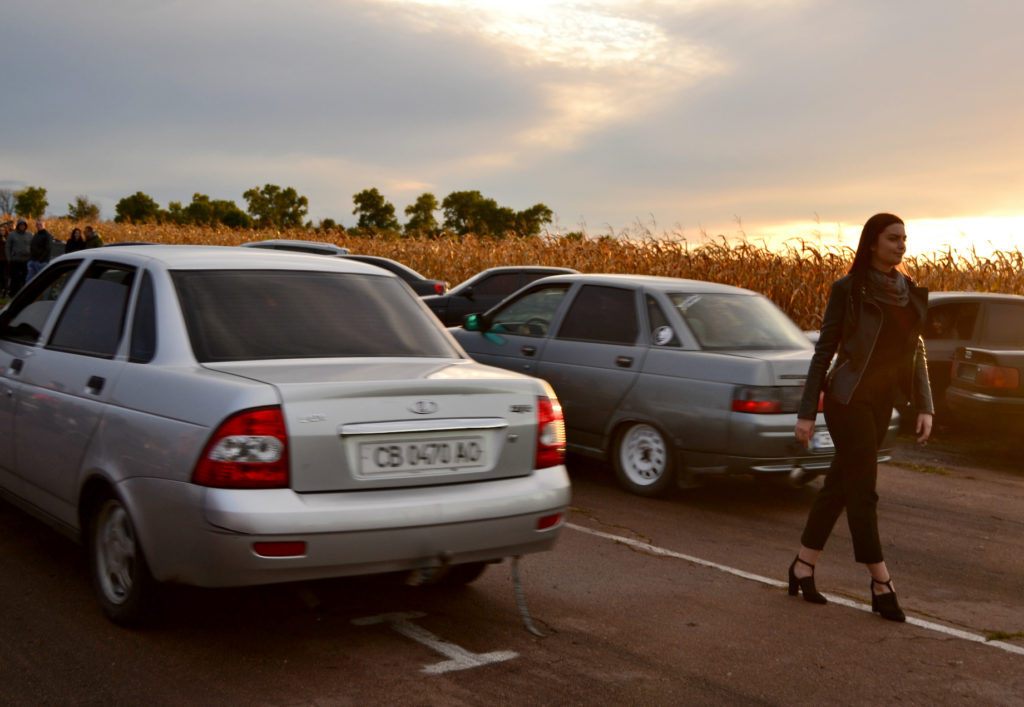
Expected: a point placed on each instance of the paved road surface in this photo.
(659, 602)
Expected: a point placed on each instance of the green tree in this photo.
(137, 208)
(205, 211)
(468, 211)
(83, 210)
(421, 215)
(31, 202)
(274, 207)
(530, 221)
(374, 211)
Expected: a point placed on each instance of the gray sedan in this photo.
(668, 378)
(227, 416)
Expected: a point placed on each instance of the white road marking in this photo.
(459, 658)
(842, 601)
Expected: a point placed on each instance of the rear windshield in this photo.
(243, 315)
(736, 321)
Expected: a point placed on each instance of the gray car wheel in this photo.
(643, 460)
(120, 575)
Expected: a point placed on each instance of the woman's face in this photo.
(76, 233)
(888, 250)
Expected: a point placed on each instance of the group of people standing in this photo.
(24, 253)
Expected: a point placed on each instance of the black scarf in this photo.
(888, 288)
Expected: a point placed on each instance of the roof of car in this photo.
(206, 257)
(652, 282)
(954, 296)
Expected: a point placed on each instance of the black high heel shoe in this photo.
(886, 604)
(804, 584)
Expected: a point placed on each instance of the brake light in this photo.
(550, 432)
(294, 548)
(549, 521)
(440, 288)
(248, 451)
(767, 400)
(1000, 377)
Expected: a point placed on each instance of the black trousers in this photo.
(858, 430)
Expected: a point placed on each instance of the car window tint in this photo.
(500, 284)
(530, 314)
(24, 319)
(1004, 325)
(662, 333)
(238, 315)
(603, 314)
(143, 341)
(954, 321)
(738, 321)
(93, 319)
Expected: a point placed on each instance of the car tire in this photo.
(643, 460)
(120, 575)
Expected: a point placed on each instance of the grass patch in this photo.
(922, 468)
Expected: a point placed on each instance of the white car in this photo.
(227, 416)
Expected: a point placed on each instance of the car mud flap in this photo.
(686, 479)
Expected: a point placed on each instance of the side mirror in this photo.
(468, 293)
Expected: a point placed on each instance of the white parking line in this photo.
(459, 658)
(842, 601)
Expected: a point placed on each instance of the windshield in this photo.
(738, 321)
(240, 315)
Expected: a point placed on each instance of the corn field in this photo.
(797, 277)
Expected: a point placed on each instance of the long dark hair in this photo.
(873, 228)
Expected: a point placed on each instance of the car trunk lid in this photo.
(368, 424)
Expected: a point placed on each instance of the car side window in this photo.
(953, 321)
(662, 333)
(530, 314)
(93, 320)
(143, 342)
(603, 314)
(24, 320)
(1004, 325)
(499, 284)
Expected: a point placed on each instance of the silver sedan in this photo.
(670, 379)
(226, 416)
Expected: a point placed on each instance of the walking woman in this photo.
(873, 322)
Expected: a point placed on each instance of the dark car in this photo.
(985, 391)
(987, 320)
(666, 378)
(485, 289)
(294, 244)
(420, 285)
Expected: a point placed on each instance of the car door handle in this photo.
(16, 365)
(529, 350)
(624, 361)
(95, 385)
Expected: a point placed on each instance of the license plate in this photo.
(821, 441)
(422, 455)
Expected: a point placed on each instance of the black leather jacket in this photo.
(853, 337)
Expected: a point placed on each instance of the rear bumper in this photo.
(205, 537)
(976, 407)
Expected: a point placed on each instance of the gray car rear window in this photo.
(240, 315)
(737, 321)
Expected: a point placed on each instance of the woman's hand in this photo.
(804, 430)
(924, 426)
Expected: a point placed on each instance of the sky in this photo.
(760, 119)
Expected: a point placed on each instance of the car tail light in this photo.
(287, 548)
(766, 400)
(550, 521)
(550, 432)
(440, 288)
(989, 375)
(248, 451)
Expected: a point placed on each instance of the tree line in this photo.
(274, 207)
